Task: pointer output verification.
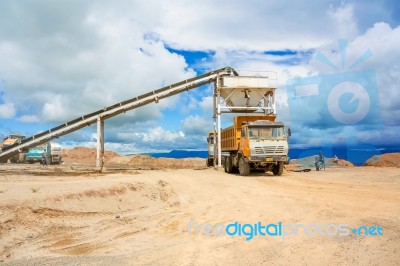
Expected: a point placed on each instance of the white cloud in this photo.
(54, 109)
(252, 25)
(29, 119)
(152, 135)
(207, 104)
(344, 21)
(196, 125)
(160, 135)
(7, 110)
(102, 57)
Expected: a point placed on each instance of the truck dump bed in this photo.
(230, 136)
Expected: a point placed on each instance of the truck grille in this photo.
(269, 150)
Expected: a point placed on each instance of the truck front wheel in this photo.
(244, 167)
(278, 169)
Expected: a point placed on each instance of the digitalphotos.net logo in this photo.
(282, 230)
(346, 97)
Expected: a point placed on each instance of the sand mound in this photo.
(384, 160)
(143, 161)
(342, 162)
(87, 156)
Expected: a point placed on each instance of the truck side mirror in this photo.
(289, 132)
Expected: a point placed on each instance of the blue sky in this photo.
(63, 59)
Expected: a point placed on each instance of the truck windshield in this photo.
(266, 133)
(40, 147)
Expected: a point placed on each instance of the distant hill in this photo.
(356, 155)
(179, 154)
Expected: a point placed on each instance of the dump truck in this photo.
(12, 139)
(254, 143)
(53, 152)
(210, 144)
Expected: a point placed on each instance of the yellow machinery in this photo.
(12, 140)
(254, 142)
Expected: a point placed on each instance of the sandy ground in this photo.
(64, 215)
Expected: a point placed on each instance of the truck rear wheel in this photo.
(224, 163)
(244, 167)
(278, 169)
(228, 164)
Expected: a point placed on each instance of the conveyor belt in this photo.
(111, 111)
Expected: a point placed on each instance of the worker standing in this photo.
(320, 161)
(44, 158)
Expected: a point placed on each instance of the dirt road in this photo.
(59, 215)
